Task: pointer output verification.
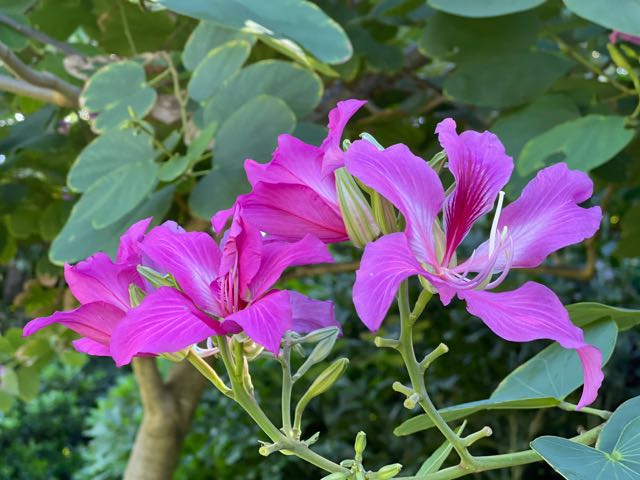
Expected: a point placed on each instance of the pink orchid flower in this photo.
(544, 219)
(102, 288)
(625, 37)
(295, 193)
(223, 290)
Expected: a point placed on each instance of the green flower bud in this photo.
(177, 356)
(438, 160)
(318, 335)
(155, 278)
(136, 295)
(387, 472)
(360, 445)
(336, 476)
(355, 209)
(369, 138)
(325, 380)
(318, 354)
(384, 213)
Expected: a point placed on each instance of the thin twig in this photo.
(38, 35)
(22, 88)
(41, 79)
(182, 100)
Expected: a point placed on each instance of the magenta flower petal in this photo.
(278, 256)
(533, 312)
(481, 168)
(129, 248)
(295, 163)
(545, 218)
(193, 258)
(406, 181)
(241, 252)
(266, 320)
(338, 119)
(165, 322)
(309, 315)
(625, 37)
(91, 347)
(385, 264)
(95, 321)
(292, 211)
(98, 279)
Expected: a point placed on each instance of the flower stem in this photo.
(248, 402)
(570, 407)
(287, 386)
(416, 375)
(208, 372)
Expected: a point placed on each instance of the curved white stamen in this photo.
(508, 253)
(494, 225)
(468, 263)
(205, 352)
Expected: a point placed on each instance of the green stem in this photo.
(416, 375)
(494, 462)
(208, 372)
(182, 100)
(287, 386)
(570, 407)
(247, 401)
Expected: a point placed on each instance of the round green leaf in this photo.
(252, 131)
(485, 8)
(220, 63)
(217, 190)
(79, 239)
(113, 150)
(505, 80)
(584, 144)
(458, 38)
(300, 88)
(586, 313)
(114, 91)
(624, 414)
(299, 21)
(117, 193)
(623, 15)
(207, 36)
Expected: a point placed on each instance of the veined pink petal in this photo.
(481, 168)
(385, 264)
(296, 163)
(129, 250)
(546, 217)
(193, 258)
(338, 118)
(266, 320)
(91, 347)
(166, 321)
(292, 211)
(406, 181)
(625, 37)
(95, 321)
(98, 279)
(278, 256)
(533, 312)
(309, 315)
(241, 252)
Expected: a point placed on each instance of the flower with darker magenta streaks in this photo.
(102, 288)
(295, 193)
(544, 219)
(223, 290)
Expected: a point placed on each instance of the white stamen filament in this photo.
(494, 225)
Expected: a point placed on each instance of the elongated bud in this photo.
(136, 295)
(360, 445)
(319, 335)
(356, 212)
(251, 349)
(387, 472)
(318, 354)
(384, 213)
(156, 279)
(327, 378)
(176, 356)
(336, 476)
(438, 161)
(370, 138)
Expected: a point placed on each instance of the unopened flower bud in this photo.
(325, 380)
(438, 160)
(156, 279)
(360, 445)
(356, 212)
(318, 335)
(176, 356)
(318, 354)
(336, 476)
(251, 349)
(387, 472)
(384, 213)
(136, 295)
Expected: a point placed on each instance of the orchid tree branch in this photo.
(41, 37)
(44, 80)
(150, 383)
(25, 89)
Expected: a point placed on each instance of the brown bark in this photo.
(168, 409)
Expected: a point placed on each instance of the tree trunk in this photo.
(168, 409)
